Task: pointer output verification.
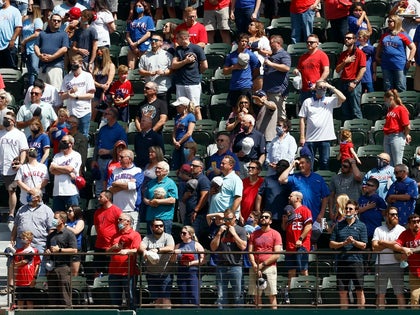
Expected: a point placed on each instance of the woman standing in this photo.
(189, 254)
(39, 140)
(183, 129)
(396, 128)
(138, 33)
(155, 156)
(391, 55)
(104, 23)
(76, 224)
(31, 26)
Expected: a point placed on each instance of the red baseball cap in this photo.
(74, 13)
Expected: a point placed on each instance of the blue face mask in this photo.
(250, 221)
(54, 223)
(120, 226)
(387, 103)
(28, 198)
(350, 216)
(279, 131)
(139, 10)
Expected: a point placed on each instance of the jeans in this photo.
(394, 79)
(302, 25)
(103, 168)
(323, 148)
(339, 28)
(84, 123)
(224, 275)
(63, 202)
(32, 64)
(117, 284)
(243, 18)
(351, 107)
(394, 145)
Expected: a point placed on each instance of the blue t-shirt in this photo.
(164, 212)
(353, 27)
(275, 195)
(28, 29)
(189, 74)
(85, 39)
(408, 186)
(49, 42)
(277, 81)
(203, 185)
(40, 142)
(393, 55)
(109, 135)
(372, 218)
(370, 53)
(10, 19)
(138, 28)
(242, 79)
(79, 236)
(244, 4)
(181, 126)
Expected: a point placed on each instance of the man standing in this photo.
(61, 240)
(105, 141)
(145, 139)
(216, 17)
(349, 235)
(313, 66)
(162, 208)
(122, 267)
(11, 29)
(105, 220)
(65, 167)
(189, 62)
(153, 107)
(50, 48)
(403, 193)
(230, 195)
(35, 109)
(249, 144)
(155, 66)
(276, 75)
(125, 184)
(230, 238)
(387, 266)
(80, 141)
(302, 14)
(159, 277)
(352, 66)
(13, 144)
(316, 121)
(407, 242)
(383, 172)
(267, 241)
(197, 31)
(78, 89)
(244, 66)
(298, 226)
(251, 185)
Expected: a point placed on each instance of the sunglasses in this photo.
(349, 208)
(56, 21)
(393, 214)
(35, 93)
(310, 42)
(348, 37)
(251, 167)
(120, 219)
(184, 233)
(415, 221)
(227, 219)
(158, 226)
(265, 217)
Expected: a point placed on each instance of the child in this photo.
(370, 52)
(358, 19)
(347, 148)
(60, 128)
(26, 270)
(121, 92)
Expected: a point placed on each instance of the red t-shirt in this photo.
(220, 5)
(264, 242)
(249, 194)
(111, 167)
(407, 239)
(300, 6)
(119, 263)
(197, 32)
(2, 86)
(311, 66)
(124, 87)
(106, 225)
(396, 119)
(25, 274)
(337, 9)
(295, 227)
(345, 150)
(351, 69)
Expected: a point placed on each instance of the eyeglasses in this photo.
(70, 211)
(123, 156)
(227, 219)
(265, 217)
(369, 184)
(35, 93)
(415, 221)
(121, 219)
(348, 37)
(158, 225)
(393, 214)
(251, 167)
(155, 40)
(56, 21)
(349, 208)
(195, 165)
(148, 88)
(310, 42)
(184, 233)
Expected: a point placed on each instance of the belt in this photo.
(105, 156)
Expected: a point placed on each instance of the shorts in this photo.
(193, 92)
(392, 272)
(9, 182)
(298, 261)
(160, 286)
(271, 273)
(217, 19)
(347, 271)
(26, 294)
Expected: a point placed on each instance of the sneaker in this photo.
(7, 290)
(10, 219)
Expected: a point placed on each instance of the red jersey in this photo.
(337, 9)
(295, 227)
(111, 167)
(119, 263)
(407, 239)
(264, 242)
(25, 274)
(121, 87)
(106, 225)
(220, 5)
(351, 69)
(345, 150)
(311, 66)
(300, 6)
(248, 196)
(197, 32)
(396, 120)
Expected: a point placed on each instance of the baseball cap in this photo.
(243, 60)
(120, 143)
(218, 180)
(182, 100)
(260, 93)
(74, 13)
(247, 145)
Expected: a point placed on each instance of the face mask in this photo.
(139, 10)
(245, 129)
(387, 103)
(99, 59)
(279, 131)
(320, 93)
(54, 223)
(120, 226)
(381, 163)
(28, 198)
(350, 216)
(418, 159)
(63, 145)
(74, 67)
(35, 131)
(250, 221)
(72, 2)
(6, 123)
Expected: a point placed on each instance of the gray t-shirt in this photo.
(150, 242)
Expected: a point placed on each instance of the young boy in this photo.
(26, 270)
(121, 92)
(370, 75)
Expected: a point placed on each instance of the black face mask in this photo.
(72, 2)
(99, 59)
(35, 131)
(63, 145)
(74, 67)
(6, 123)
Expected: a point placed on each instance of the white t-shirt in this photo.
(12, 143)
(48, 115)
(50, 95)
(384, 234)
(103, 18)
(84, 83)
(319, 118)
(32, 176)
(63, 185)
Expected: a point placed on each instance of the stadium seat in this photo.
(377, 8)
(378, 132)
(370, 150)
(218, 109)
(220, 83)
(303, 290)
(329, 292)
(217, 49)
(326, 175)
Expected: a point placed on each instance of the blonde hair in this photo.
(191, 231)
(341, 203)
(346, 135)
(364, 34)
(122, 69)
